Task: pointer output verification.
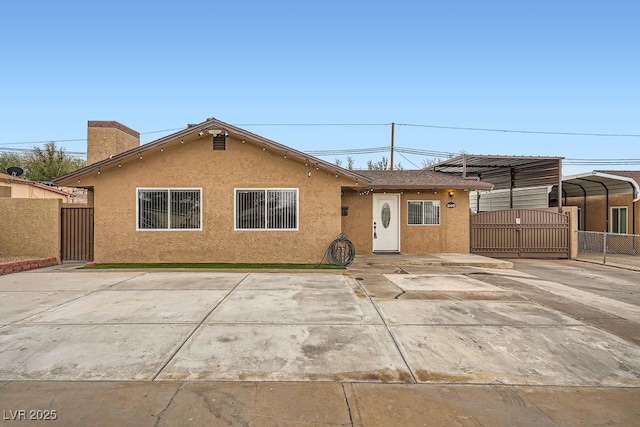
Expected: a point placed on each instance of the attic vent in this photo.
(219, 142)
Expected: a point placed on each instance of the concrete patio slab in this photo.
(435, 282)
(565, 356)
(258, 404)
(134, 307)
(71, 281)
(392, 405)
(87, 352)
(310, 280)
(20, 305)
(183, 281)
(296, 306)
(288, 353)
(420, 312)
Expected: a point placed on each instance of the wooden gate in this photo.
(526, 233)
(77, 233)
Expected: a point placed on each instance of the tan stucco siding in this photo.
(451, 235)
(596, 212)
(218, 173)
(30, 227)
(357, 225)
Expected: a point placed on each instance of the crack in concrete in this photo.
(161, 413)
(346, 401)
(400, 294)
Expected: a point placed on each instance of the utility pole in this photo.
(393, 128)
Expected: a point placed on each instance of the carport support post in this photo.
(559, 185)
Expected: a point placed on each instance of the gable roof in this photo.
(9, 179)
(193, 132)
(421, 179)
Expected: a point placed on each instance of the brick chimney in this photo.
(107, 138)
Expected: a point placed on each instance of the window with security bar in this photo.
(423, 212)
(266, 209)
(169, 209)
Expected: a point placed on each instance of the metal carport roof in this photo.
(597, 183)
(506, 172)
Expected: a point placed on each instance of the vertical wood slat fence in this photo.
(525, 233)
(76, 233)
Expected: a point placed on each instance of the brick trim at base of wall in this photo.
(27, 264)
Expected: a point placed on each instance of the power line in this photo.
(81, 139)
(347, 152)
(537, 132)
(617, 135)
(402, 155)
(28, 150)
(313, 124)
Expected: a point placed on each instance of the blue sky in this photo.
(566, 66)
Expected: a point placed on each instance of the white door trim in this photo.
(395, 222)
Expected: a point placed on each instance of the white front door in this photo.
(386, 222)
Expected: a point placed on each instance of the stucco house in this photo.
(214, 192)
(19, 188)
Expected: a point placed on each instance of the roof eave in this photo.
(212, 123)
(430, 187)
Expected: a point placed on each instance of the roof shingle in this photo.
(421, 179)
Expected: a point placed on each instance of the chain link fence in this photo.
(619, 250)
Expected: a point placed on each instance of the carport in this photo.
(514, 232)
(506, 172)
(599, 183)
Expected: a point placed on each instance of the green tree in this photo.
(49, 162)
(10, 159)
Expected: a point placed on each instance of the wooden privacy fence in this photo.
(77, 233)
(525, 233)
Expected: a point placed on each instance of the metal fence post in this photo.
(604, 249)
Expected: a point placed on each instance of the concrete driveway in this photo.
(345, 338)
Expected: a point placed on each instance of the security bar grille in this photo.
(169, 209)
(267, 209)
(423, 212)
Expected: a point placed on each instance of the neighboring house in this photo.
(607, 200)
(18, 188)
(215, 192)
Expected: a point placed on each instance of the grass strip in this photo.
(221, 265)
